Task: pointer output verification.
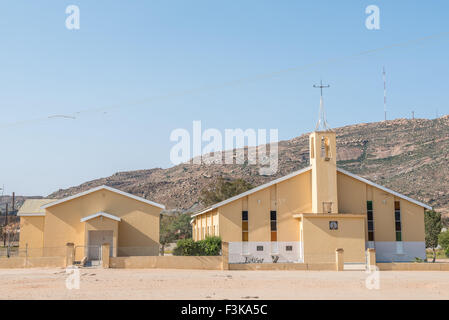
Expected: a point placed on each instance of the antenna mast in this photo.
(385, 93)
(322, 123)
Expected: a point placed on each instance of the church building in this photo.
(305, 216)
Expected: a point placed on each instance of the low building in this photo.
(130, 224)
(306, 215)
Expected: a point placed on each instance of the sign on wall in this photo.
(333, 225)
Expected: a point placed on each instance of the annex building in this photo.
(130, 224)
(306, 215)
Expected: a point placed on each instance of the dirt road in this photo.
(200, 284)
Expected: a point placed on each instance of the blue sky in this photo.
(139, 56)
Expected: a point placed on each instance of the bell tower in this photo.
(323, 159)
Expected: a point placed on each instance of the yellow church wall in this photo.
(230, 217)
(210, 223)
(139, 225)
(412, 217)
(351, 194)
(320, 242)
(259, 205)
(383, 213)
(293, 196)
(323, 161)
(31, 232)
(290, 196)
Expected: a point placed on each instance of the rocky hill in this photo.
(408, 156)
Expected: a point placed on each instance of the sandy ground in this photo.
(200, 284)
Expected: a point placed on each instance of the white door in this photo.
(95, 239)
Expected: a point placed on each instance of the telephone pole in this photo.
(385, 93)
(5, 224)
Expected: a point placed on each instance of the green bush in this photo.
(443, 241)
(186, 247)
(210, 246)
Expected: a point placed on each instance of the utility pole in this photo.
(385, 93)
(6, 223)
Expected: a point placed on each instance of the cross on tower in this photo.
(322, 123)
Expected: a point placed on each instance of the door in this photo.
(95, 239)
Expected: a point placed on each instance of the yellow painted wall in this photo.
(324, 169)
(205, 225)
(31, 232)
(320, 242)
(259, 215)
(290, 196)
(412, 217)
(230, 217)
(293, 196)
(139, 225)
(353, 195)
(383, 208)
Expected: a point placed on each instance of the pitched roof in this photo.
(32, 207)
(293, 174)
(103, 214)
(244, 194)
(129, 195)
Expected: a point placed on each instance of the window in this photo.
(244, 225)
(397, 220)
(288, 248)
(259, 248)
(273, 225)
(370, 218)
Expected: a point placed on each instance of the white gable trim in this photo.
(244, 194)
(104, 214)
(31, 214)
(397, 194)
(104, 188)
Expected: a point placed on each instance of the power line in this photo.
(225, 84)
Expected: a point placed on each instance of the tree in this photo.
(433, 227)
(224, 189)
(174, 227)
(443, 241)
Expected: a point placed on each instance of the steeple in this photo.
(323, 159)
(322, 125)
